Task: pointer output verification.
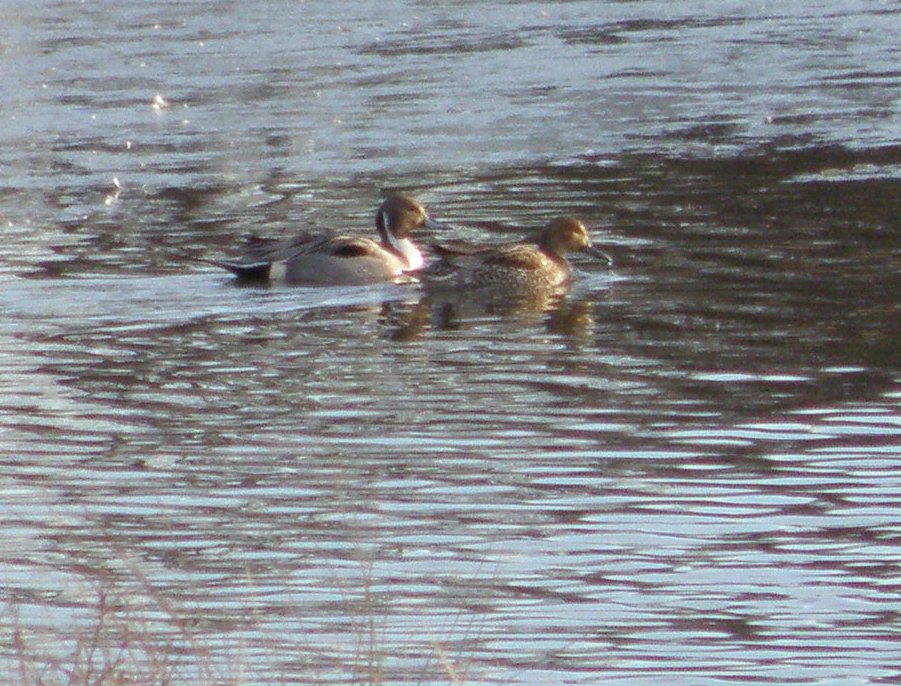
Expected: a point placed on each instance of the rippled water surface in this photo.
(686, 471)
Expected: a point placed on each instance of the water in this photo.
(685, 471)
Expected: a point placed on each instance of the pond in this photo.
(685, 469)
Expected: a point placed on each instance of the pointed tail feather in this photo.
(245, 271)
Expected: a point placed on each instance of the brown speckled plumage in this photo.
(517, 266)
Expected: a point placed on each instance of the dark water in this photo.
(684, 472)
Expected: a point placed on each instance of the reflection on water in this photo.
(684, 469)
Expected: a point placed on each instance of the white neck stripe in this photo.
(408, 251)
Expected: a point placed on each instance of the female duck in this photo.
(340, 259)
(515, 266)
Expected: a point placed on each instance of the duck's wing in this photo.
(281, 250)
(519, 256)
(261, 253)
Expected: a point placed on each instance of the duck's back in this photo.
(519, 266)
(317, 260)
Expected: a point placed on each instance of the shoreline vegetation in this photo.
(113, 637)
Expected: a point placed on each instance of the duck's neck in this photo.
(408, 252)
(402, 247)
(553, 254)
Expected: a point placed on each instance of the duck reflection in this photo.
(559, 313)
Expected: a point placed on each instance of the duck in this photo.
(338, 259)
(519, 267)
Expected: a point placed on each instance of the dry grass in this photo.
(117, 638)
(110, 647)
(371, 649)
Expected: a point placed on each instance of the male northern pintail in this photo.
(341, 259)
(515, 266)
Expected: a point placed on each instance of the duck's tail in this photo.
(244, 271)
